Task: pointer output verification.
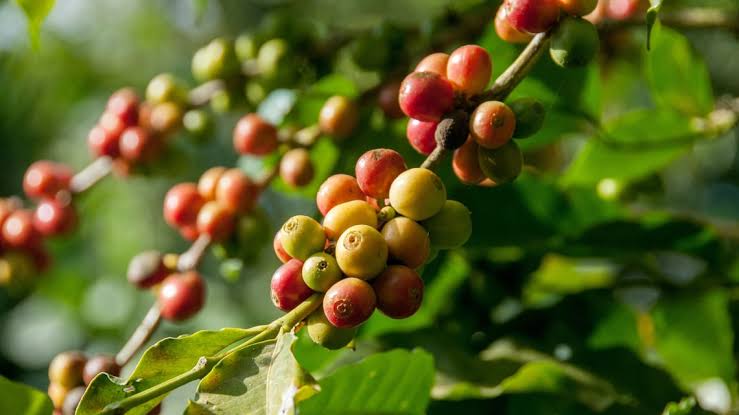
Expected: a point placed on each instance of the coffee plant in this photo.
(519, 207)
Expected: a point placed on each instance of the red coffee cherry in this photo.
(41, 258)
(469, 69)
(288, 287)
(407, 241)
(466, 165)
(421, 135)
(337, 189)
(338, 117)
(100, 364)
(216, 221)
(399, 291)
(578, 7)
(435, 62)
(45, 179)
(387, 99)
(124, 104)
(102, 143)
(296, 167)
(505, 31)
(253, 135)
(181, 296)
(376, 170)
(623, 9)
(492, 124)
(54, 217)
(66, 369)
(426, 96)
(532, 16)
(18, 230)
(137, 145)
(182, 204)
(112, 124)
(236, 192)
(209, 182)
(189, 232)
(72, 400)
(147, 269)
(280, 252)
(349, 303)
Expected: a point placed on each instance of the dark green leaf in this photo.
(36, 11)
(20, 399)
(558, 276)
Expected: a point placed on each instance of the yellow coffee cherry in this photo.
(407, 241)
(361, 252)
(346, 215)
(417, 194)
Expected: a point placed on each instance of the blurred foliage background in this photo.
(604, 279)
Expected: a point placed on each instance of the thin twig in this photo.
(201, 95)
(140, 336)
(93, 173)
(190, 259)
(433, 160)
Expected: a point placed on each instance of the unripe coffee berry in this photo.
(302, 237)
(165, 87)
(18, 230)
(337, 189)
(435, 63)
(165, 118)
(209, 182)
(530, 114)
(321, 271)
(501, 165)
(181, 296)
(575, 43)
(452, 131)
(253, 135)
(72, 400)
(361, 252)
(287, 286)
(578, 7)
(147, 269)
(407, 241)
(198, 123)
(102, 143)
(182, 204)
(66, 369)
(271, 58)
(100, 364)
(246, 46)
(54, 217)
(376, 169)
(399, 291)
(57, 393)
(417, 194)
(505, 31)
(280, 252)
(322, 332)
(532, 16)
(216, 221)
(17, 269)
(426, 96)
(236, 192)
(296, 167)
(338, 117)
(46, 178)
(469, 69)
(137, 145)
(387, 99)
(492, 124)
(216, 60)
(422, 135)
(451, 227)
(124, 104)
(346, 215)
(466, 165)
(349, 303)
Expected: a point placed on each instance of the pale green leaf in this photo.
(558, 276)
(19, 399)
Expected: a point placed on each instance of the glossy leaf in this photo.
(19, 399)
(558, 276)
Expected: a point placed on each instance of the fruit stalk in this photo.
(140, 336)
(93, 173)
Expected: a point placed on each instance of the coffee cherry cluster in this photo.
(379, 228)
(70, 372)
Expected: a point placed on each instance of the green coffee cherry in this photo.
(198, 123)
(221, 102)
(217, 60)
(246, 46)
(575, 42)
(530, 114)
(451, 227)
(271, 58)
(326, 334)
(501, 165)
(321, 271)
(166, 88)
(302, 237)
(255, 92)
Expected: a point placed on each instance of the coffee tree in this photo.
(492, 223)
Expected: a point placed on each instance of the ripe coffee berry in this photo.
(578, 7)
(321, 271)
(466, 165)
(72, 400)
(100, 364)
(575, 43)
(66, 369)
(417, 194)
(236, 192)
(426, 96)
(501, 165)
(322, 332)
(288, 287)
(399, 291)
(435, 63)
(532, 16)
(349, 303)
(492, 124)
(216, 221)
(46, 178)
(302, 237)
(338, 117)
(124, 105)
(280, 252)
(505, 31)
(451, 227)
(209, 181)
(623, 9)
(361, 252)
(407, 241)
(253, 135)
(337, 189)
(421, 135)
(387, 99)
(147, 269)
(181, 296)
(137, 145)
(530, 114)
(346, 215)
(18, 230)
(54, 217)
(182, 204)
(102, 143)
(469, 69)
(452, 131)
(296, 167)
(376, 170)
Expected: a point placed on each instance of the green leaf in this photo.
(19, 399)
(396, 382)
(654, 7)
(161, 362)
(684, 407)
(35, 11)
(678, 77)
(262, 379)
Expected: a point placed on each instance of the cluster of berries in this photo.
(378, 229)
(70, 372)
